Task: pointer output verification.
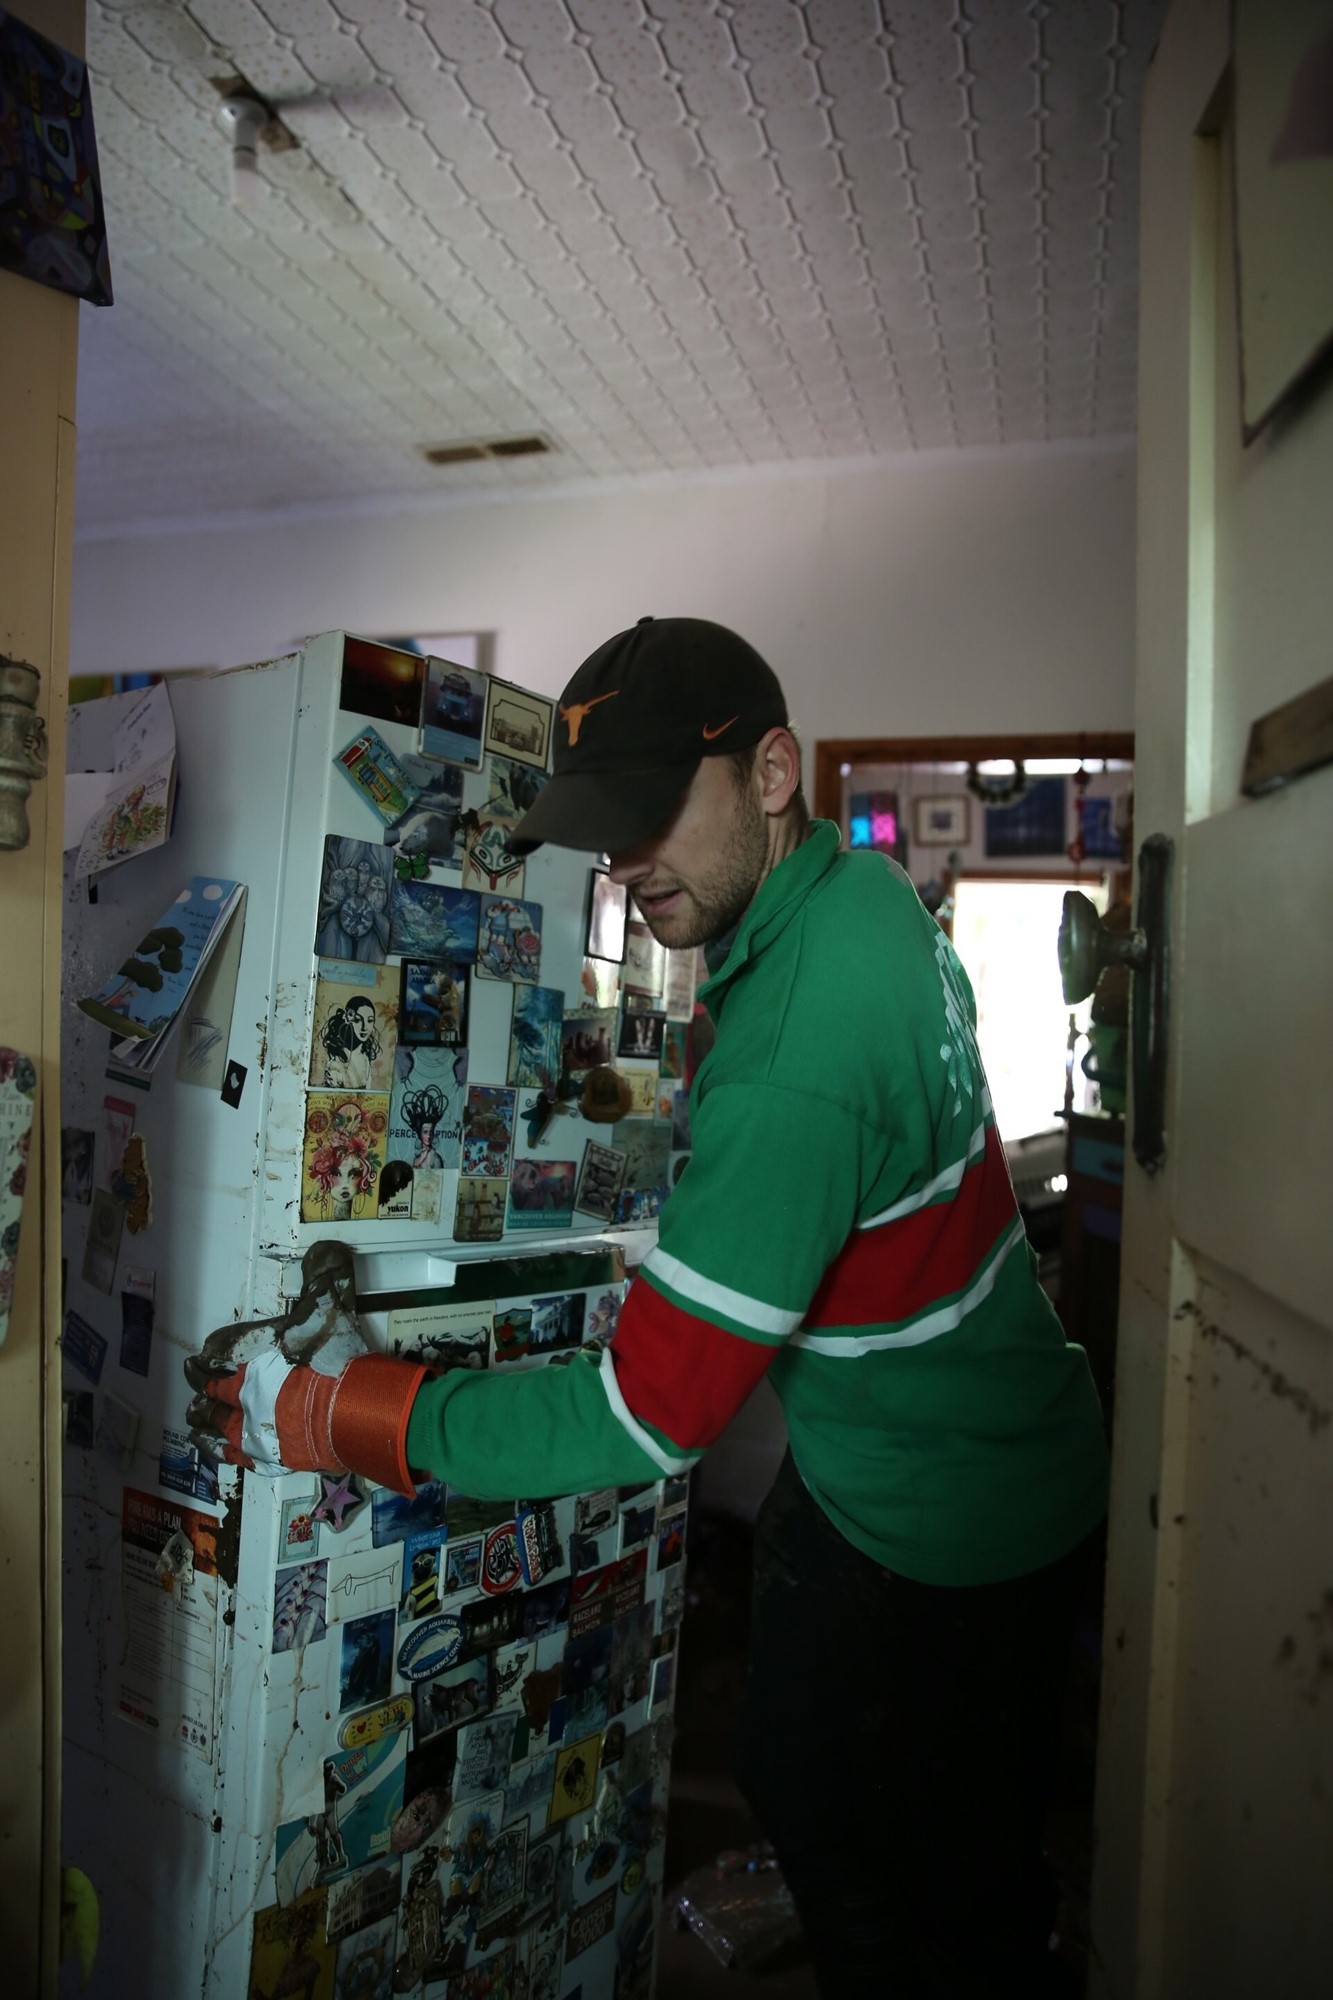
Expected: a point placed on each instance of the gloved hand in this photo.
(302, 1393)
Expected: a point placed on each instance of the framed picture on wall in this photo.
(942, 822)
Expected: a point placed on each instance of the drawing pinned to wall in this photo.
(52, 226)
(1034, 824)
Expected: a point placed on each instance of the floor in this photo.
(707, 1815)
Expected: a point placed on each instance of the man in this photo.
(846, 1224)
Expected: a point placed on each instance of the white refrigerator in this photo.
(333, 1743)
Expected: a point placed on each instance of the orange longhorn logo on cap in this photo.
(573, 716)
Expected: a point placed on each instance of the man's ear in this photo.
(777, 760)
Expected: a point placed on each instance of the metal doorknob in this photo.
(1087, 947)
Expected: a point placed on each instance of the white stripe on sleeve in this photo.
(847, 1346)
(713, 1297)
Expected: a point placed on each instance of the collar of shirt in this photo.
(779, 897)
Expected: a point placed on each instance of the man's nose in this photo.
(631, 864)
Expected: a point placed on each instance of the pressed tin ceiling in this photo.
(668, 236)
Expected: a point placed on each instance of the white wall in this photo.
(949, 592)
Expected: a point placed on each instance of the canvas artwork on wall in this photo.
(52, 228)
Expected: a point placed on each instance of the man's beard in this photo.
(713, 904)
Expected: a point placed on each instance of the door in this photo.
(1215, 1841)
(38, 335)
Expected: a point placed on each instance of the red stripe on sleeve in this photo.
(684, 1376)
(890, 1273)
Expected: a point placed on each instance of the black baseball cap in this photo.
(634, 724)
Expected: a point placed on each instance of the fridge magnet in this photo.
(645, 961)
(289, 1952)
(676, 1490)
(681, 979)
(394, 1195)
(446, 1701)
(641, 1036)
(76, 1164)
(575, 1779)
(670, 1539)
(484, 1753)
(78, 1414)
(502, 1897)
(367, 1659)
(637, 1526)
(427, 1194)
(428, 832)
(355, 1026)
(432, 1004)
(83, 1346)
(541, 1194)
(395, 1516)
(488, 1130)
(177, 1462)
(513, 1330)
(513, 788)
(298, 1530)
(500, 1565)
(603, 1313)
(587, 1041)
(354, 892)
(422, 1555)
(381, 1719)
(341, 1497)
(136, 1330)
(367, 1927)
(545, 1954)
(608, 913)
(479, 1213)
(642, 1087)
(431, 920)
(426, 1109)
(233, 1083)
(430, 1648)
(300, 1606)
(601, 1176)
(363, 1790)
(106, 1219)
(681, 1141)
(453, 713)
(671, 1063)
(646, 1144)
(462, 1565)
(557, 1324)
(427, 1791)
(518, 724)
(445, 1336)
(117, 1429)
(586, 1682)
(590, 1925)
(488, 864)
(540, 1550)
(509, 944)
(381, 681)
(663, 1675)
(530, 1785)
(671, 1607)
(344, 1151)
(535, 1037)
(599, 984)
(510, 1668)
(370, 765)
(362, 1582)
(131, 1184)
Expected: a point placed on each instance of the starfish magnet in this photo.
(340, 1500)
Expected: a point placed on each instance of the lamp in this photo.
(243, 119)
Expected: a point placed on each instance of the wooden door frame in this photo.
(831, 753)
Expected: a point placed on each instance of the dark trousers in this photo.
(897, 1745)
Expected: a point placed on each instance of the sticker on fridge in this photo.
(344, 1151)
(488, 1130)
(429, 920)
(356, 1026)
(509, 939)
(444, 1336)
(433, 1004)
(453, 713)
(169, 1591)
(426, 1108)
(535, 1037)
(541, 1194)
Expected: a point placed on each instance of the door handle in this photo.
(1087, 947)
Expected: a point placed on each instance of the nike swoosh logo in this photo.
(722, 727)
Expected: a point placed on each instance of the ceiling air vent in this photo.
(463, 452)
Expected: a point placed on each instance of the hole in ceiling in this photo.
(465, 451)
